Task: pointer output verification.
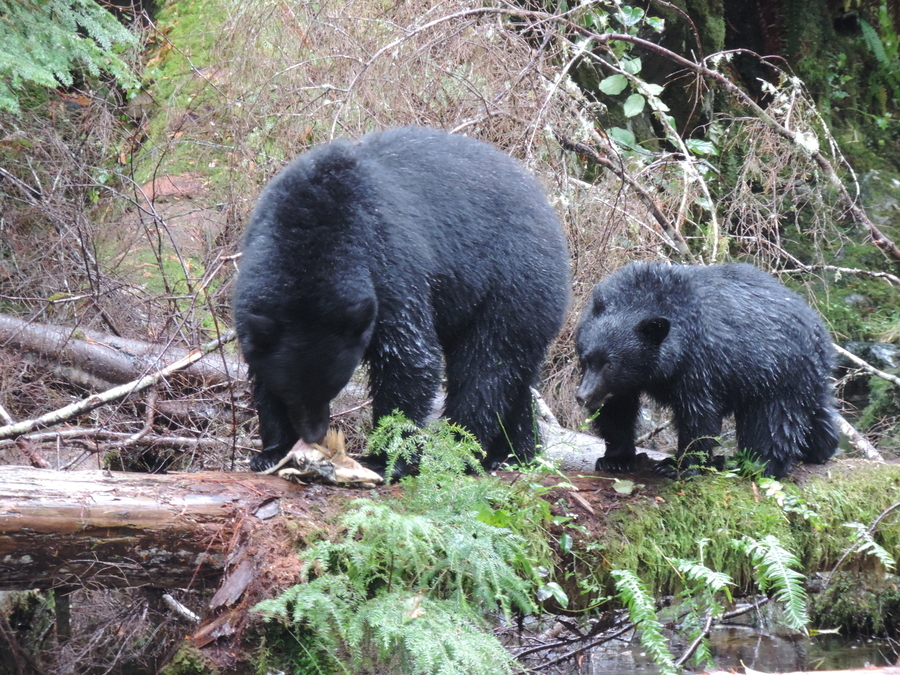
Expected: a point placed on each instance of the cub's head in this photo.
(618, 349)
(304, 360)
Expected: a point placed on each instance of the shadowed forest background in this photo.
(699, 131)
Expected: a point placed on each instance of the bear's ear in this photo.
(361, 315)
(263, 331)
(655, 330)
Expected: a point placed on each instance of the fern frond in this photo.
(866, 544)
(44, 43)
(773, 568)
(873, 42)
(431, 637)
(642, 610)
(700, 573)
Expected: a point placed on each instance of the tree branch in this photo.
(97, 400)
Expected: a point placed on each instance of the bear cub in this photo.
(707, 342)
(417, 252)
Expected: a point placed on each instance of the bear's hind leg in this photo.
(822, 438)
(773, 432)
(489, 394)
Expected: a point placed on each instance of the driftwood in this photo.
(180, 530)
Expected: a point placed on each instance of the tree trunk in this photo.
(126, 529)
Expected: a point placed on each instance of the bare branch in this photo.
(893, 379)
(97, 400)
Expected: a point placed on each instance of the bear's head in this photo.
(619, 351)
(305, 360)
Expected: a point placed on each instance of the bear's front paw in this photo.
(614, 464)
(266, 459)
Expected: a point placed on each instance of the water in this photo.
(733, 647)
(738, 647)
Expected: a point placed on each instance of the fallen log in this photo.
(180, 530)
(97, 360)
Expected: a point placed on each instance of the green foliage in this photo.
(885, 46)
(44, 42)
(717, 506)
(700, 599)
(867, 545)
(859, 602)
(188, 660)
(774, 568)
(642, 610)
(444, 451)
(858, 497)
(409, 581)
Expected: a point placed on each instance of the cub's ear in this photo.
(263, 331)
(361, 315)
(598, 304)
(655, 330)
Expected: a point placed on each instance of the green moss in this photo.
(808, 519)
(178, 75)
(860, 603)
(188, 661)
(718, 508)
(858, 496)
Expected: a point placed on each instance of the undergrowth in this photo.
(412, 580)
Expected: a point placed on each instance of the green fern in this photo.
(45, 42)
(642, 610)
(885, 46)
(867, 545)
(442, 450)
(702, 586)
(411, 577)
(773, 568)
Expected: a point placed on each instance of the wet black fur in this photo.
(405, 249)
(708, 342)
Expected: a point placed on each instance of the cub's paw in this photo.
(671, 467)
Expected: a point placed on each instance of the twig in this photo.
(97, 400)
(696, 643)
(180, 610)
(871, 529)
(893, 379)
(891, 278)
(667, 227)
(575, 652)
(542, 409)
(745, 609)
(650, 434)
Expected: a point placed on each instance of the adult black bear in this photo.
(708, 342)
(402, 248)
